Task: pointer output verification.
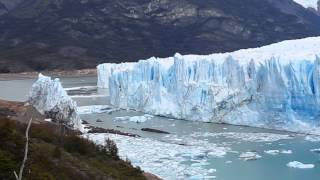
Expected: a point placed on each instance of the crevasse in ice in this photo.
(50, 99)
(275, 86)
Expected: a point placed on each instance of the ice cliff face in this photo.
(275, 86)
(103, 75)
(50, 99)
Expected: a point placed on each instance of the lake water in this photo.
(192, 150)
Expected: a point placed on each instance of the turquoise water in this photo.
(228, 167)
(266, 168)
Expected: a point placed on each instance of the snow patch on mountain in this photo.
(308, 3)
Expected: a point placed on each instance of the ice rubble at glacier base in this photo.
(275, 86)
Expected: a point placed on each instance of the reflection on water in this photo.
(193, 149)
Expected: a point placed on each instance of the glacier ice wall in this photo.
(50, 99)
(275, 86)
(103, 75)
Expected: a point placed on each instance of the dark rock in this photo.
(84, 122)
(111, 131)
(99, 120)
(154, 130)
(182, 144)
(4, 112)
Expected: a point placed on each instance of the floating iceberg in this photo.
(137, 119)
(80, 88)
(275, 86)
(50, 99)
(315, 150)
(243, 136)
(312, 138)
(276, 152)
(299, 165)
(93, 109)
(248, 156)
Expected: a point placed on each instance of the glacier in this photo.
(275, 86)
(103, 75)
(51, 100)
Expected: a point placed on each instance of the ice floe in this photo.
(286, 151)
(299, 165)
(272, 152)
(251, 137)
(93, 109)
(276, 152)
(313, 138)
(80, 88)
(137, 119)
(250, 155)
(166, 159)
(315, 150)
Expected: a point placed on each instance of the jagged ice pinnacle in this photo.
(50, 99)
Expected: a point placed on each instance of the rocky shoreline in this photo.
(56, 73)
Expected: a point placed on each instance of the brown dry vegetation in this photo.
(56, 155)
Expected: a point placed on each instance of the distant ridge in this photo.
(37, 35)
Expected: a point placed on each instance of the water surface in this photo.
(192, 150)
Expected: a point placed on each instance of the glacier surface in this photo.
(275, 86)
(50, 99)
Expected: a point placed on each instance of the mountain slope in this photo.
(72, 34)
